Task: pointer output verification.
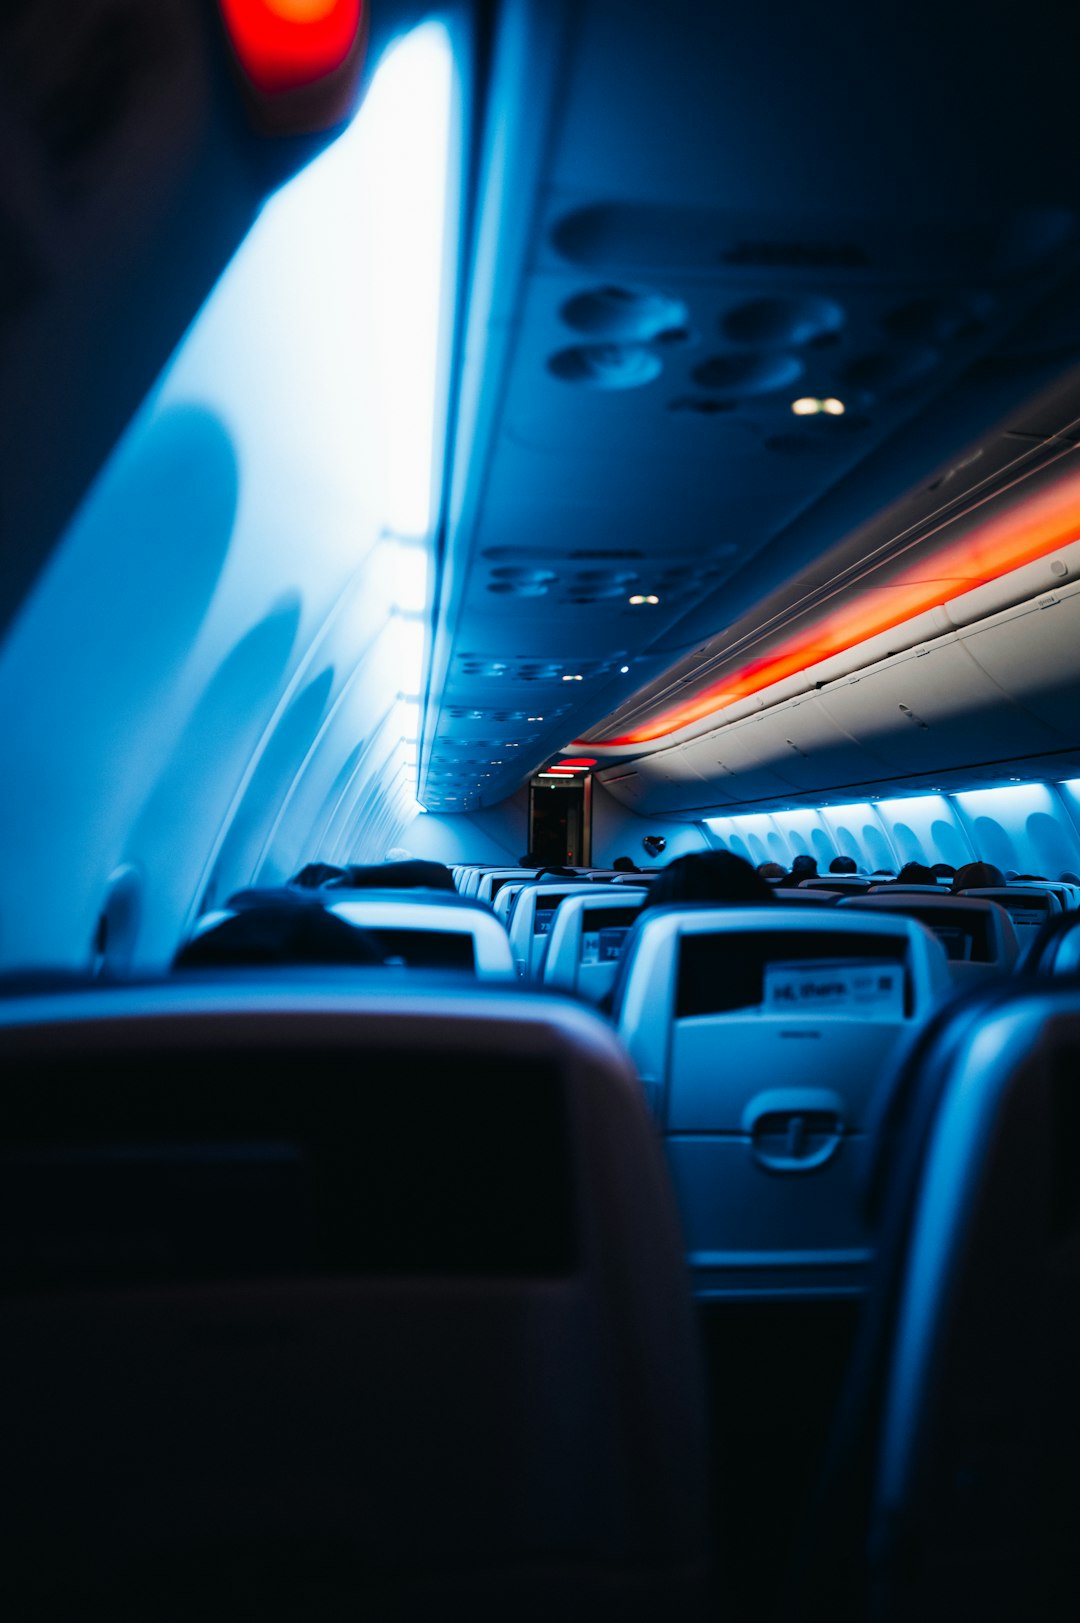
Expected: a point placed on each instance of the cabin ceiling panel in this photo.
(698, 258)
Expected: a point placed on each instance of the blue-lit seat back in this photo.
(586, 939)
(1028, 907)
(977, 934)
(761, 1036)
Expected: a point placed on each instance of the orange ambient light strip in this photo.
(287, 44)
(1039, 525)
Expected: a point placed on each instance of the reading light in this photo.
(623, 669)
(807, 406)
(565, 679)
(643, 598)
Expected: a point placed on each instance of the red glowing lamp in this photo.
(284, 45)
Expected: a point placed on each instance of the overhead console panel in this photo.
(744, 283)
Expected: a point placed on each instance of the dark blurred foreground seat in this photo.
(1055, 948)
(952, 1487)
(324, 1301)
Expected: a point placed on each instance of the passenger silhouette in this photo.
(278, 933)
(772, 871)
(314, 874)
(977, 876)
(916, 873)
(843, 865)
(625, 865)
(409, 875)
(710, 876)
(804, 867)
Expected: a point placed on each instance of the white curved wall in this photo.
(218, 676)
(1027, 827)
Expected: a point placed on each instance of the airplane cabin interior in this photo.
(540, 861)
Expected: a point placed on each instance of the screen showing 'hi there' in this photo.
(869, 990)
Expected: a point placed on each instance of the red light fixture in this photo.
(286, 45)
(579, 762)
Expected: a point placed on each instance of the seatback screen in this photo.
(603, 931)
(545, 912)
(966, 936)
(784, 971)
(427, 949)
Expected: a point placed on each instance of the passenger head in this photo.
(916, 873)
(843, 865)
(772, 871)
(398, 853)
(625, 865)
(1069, 877)
(710, 876)
(943, 870)
(277, 935)
(977, 876)
(803, 867)
(414, 874)
(314, 874)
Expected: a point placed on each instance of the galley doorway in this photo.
(560, 832)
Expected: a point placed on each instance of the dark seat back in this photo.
(328, 1301)
(952, 1486)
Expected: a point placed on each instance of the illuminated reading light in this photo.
(643, 598)
(807, 406)
(285, 44)
(534, 718)
(623, 669)
(565, 679)
(1032, 527)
